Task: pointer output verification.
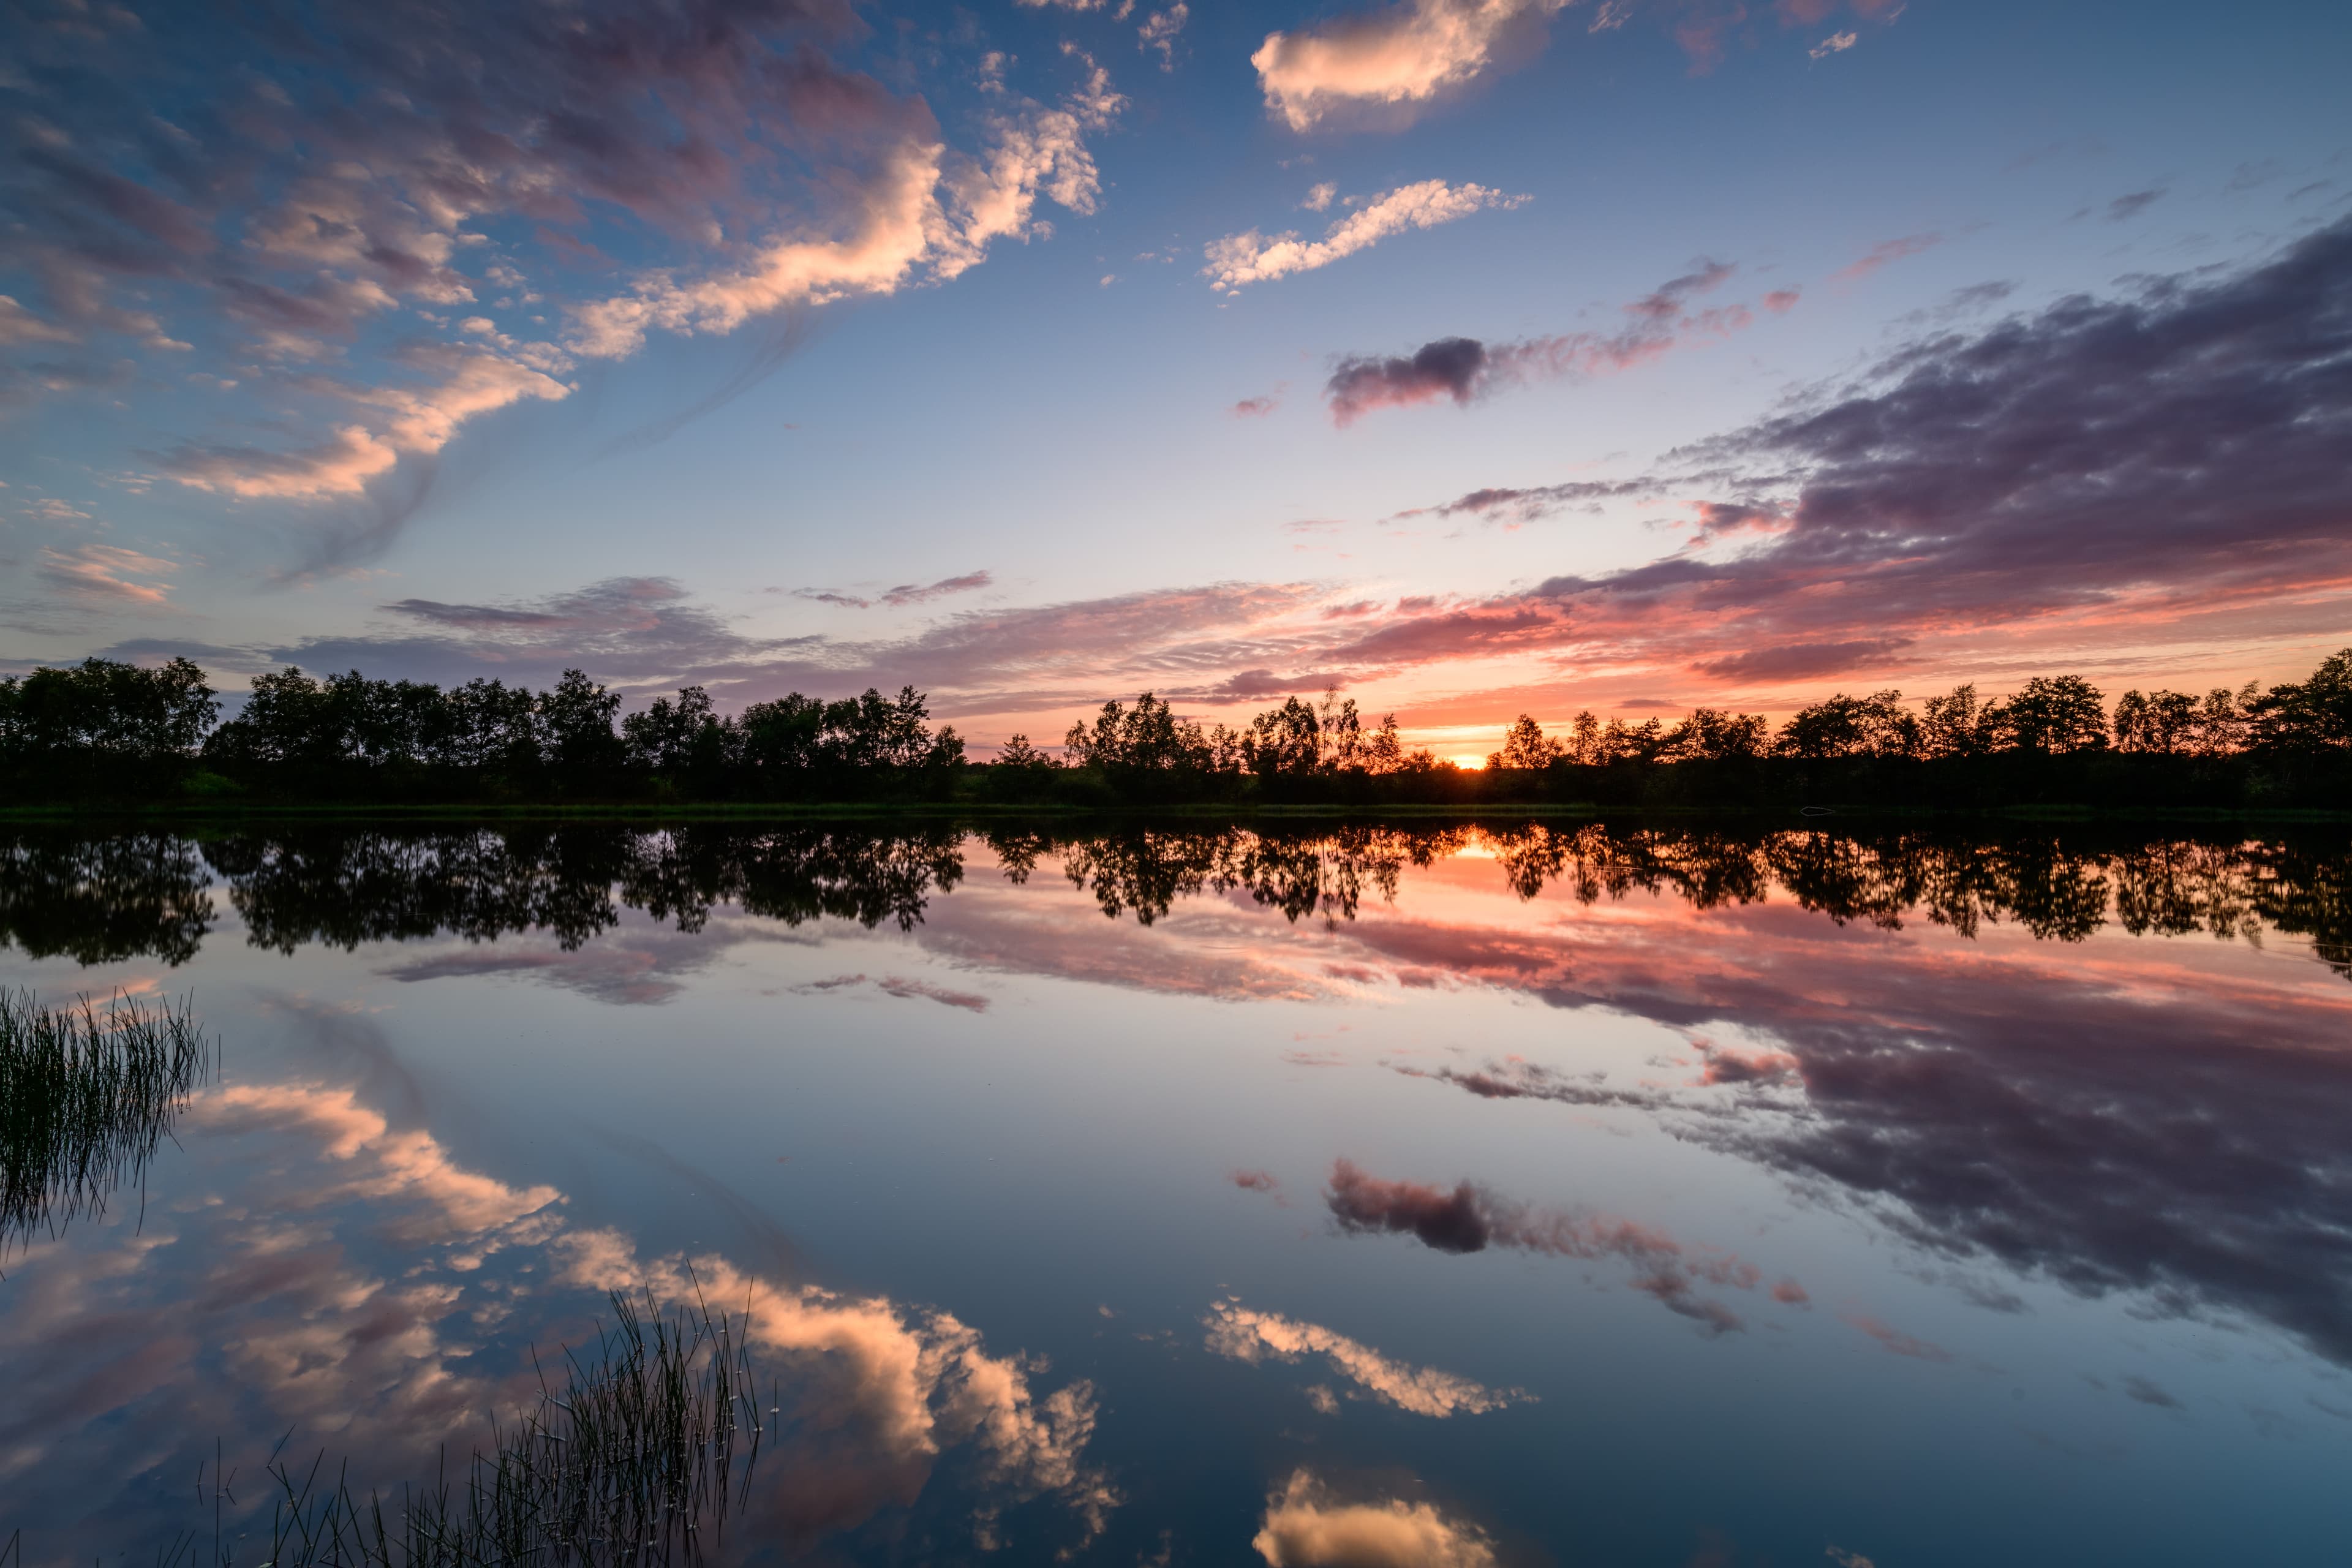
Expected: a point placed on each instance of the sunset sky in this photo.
(1474, 356)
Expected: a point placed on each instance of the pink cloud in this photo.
(1895, 1342)
(1394, 61)
(1884, 252)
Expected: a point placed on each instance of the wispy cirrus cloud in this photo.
(106, 575)
(1240, 260)
(1885, 251)
(1392, 61)
(899, 597)
(905, 989)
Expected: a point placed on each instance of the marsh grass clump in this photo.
(85, 1099)
(635, 1462)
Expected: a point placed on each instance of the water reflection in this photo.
(328, 1271)
(96, 900)
(2074, 1065)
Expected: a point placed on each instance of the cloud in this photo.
(922, 210)
(19, 325)
(2183, 1178)
(1702, 31)
(1248, 1335)
(1885, 251)
(1396, 60)
(1449, 367)
(1948, 1004)
(1465, 369)
(626, 629)
(1895, 1342)
(2147, 1393)
(1468, 1219)
(1835, 43)
(1319, 196)
(2132, 205)
(416, 421)
(1158, 31)
(716, 145)
(2127, 459)
(1305, 1527)
(912, 593)
(1254, 407)
(889, 1389)
(904, 594)
(897, 986)
(105, 575)
(1255, 1180)
(1799, 661)
(1251, 257)
(2130, 457)
(258, 1302)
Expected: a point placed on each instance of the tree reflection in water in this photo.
(102, 898)
(2189, 1153)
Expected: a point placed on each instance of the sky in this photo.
(1475, 357)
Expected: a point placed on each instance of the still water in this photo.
(1583, 1194)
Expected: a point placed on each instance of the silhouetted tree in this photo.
(1525, 747)
(2163, 723)
(1957, 724)
(2310, 717)
(1285, 742)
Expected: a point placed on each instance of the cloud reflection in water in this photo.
(350, 1280)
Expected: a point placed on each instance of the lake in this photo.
(1624, 1192)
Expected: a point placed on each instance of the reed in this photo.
(634, 1463)
(85, 1099)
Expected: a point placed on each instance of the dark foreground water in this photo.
(1585, 1195)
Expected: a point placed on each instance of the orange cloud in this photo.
(1396, 58)
(1305, 1527)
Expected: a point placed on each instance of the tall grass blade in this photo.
(85, 1099)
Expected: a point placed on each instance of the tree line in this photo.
(108, 729)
